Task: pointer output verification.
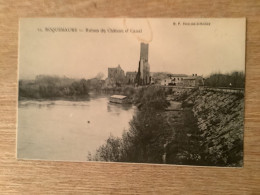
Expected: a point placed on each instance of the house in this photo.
(173, 79)
(193, 81)
(166, 81)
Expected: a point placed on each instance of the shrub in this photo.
(152, 97)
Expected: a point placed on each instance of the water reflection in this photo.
(115, 108)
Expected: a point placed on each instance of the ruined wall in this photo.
(131, 77)
(116, 75)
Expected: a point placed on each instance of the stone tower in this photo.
(144, 51)
(143, 75)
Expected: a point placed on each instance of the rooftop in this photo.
(177, 75)
(192, 77)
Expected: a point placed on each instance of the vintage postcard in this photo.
(144, 90)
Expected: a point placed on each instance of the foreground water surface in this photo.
(68, 130)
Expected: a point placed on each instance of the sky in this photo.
(179, 46)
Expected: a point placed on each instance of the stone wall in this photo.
(131, 77)
(116, 75)
(221, 123)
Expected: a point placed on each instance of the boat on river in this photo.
(119, 99)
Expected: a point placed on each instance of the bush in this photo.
(111, 150)
(152, 97)
(129, 91)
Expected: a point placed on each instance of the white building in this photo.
(174, 80)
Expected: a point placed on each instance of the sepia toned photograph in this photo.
(143, 90)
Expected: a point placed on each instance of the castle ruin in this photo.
(117, 76)
(143, 76)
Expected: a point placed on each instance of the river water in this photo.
(68, 130)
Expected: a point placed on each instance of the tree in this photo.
(84, 89)
(235, 79)
(152, 97)
(100, 75)
(110, 151)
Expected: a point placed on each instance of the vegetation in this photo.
(129, 91)
(234, 79)
(147, 134)
(152, 134)
(53, 87)
(177, 137)
(151, 98)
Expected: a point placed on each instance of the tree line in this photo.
(235, 79)
(54, 87)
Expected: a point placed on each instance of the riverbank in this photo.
(65, 98)
(220, 119)
(189, 127)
